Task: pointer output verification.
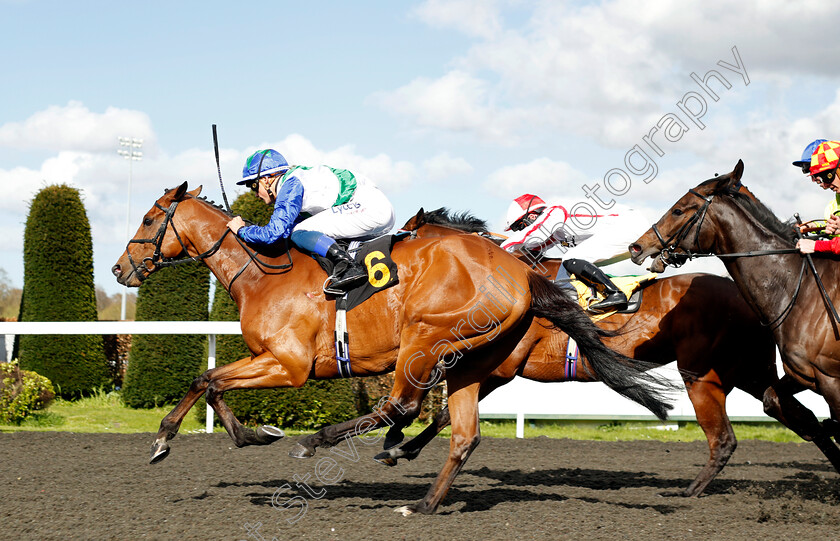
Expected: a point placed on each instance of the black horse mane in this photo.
(759, 211)
(205, 200)
(463, 220)
(214, 205)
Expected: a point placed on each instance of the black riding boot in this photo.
(347, 274)
(592, 275)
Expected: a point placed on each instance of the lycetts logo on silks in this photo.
(347, 208)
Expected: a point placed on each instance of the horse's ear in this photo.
(196, 192)
(731, 180)
(738, 171)
(180, 191)
(419, 218)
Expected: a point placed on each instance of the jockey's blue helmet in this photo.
(263, 163)
(805, 160)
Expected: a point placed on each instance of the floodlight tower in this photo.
(131, 151)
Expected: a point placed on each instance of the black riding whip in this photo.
(219, 168)
(825, 296)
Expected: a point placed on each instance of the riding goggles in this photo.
(826, 177)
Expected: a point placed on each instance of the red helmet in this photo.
(521, 206)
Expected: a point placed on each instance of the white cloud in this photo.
(551, 180)
(75, 127)
(383, 170)
(596, 69)
(443, 166)
(472, 17)
(456, 102)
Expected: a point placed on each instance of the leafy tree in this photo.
(9, 297)
(58, 286)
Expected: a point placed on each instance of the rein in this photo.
(158, 261)
(670, 257)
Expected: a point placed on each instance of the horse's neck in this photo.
(737, 232)
(204, 227)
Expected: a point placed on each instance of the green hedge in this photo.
(58, 286)
(161, 367)
(316, 404)
(22, 392)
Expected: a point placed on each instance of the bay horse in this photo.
(758, 251)
(700, 320)
(460, 301)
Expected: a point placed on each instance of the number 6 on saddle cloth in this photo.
(375, 255)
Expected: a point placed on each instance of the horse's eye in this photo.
(147, 221)
(677, 212)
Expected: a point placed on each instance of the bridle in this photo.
(157, 260)
(668, 253)
(670, 257)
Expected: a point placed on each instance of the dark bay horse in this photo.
(700, 320)
(460, 301)
(715, 218)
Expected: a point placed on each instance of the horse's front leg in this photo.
(170, 424)
(261, 372)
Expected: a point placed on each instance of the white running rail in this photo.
(210, 328)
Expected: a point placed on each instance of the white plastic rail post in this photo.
(520, 425)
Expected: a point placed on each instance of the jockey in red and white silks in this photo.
(556, 234)
(582, 240)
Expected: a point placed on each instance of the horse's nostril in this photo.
(116, 270)
(635, 248)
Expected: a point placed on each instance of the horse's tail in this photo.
(626, 376)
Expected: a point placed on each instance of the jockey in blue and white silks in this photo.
(313, 206)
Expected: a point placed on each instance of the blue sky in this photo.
(460, 103)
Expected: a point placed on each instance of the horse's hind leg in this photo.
(398, 409)
(411, 449)
(463, 407)
(780, 404)
(709, 400)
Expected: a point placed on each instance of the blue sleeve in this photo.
(286, 210)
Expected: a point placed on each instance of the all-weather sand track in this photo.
(99, 486)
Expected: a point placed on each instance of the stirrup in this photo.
(614, 301)
(345, 284)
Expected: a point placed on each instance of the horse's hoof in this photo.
(269, 434)
(405, 510)
(386, 458)
(299, 451)
(159, 452)
(393, 438)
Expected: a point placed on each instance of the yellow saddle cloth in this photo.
(628, 285)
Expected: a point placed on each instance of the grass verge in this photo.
(102, 412)
(105, 412)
